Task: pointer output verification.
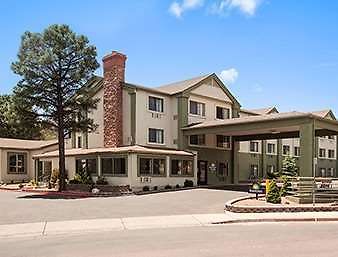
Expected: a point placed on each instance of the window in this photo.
(253, 146)
(79, 142)
(114, 166)
(223, 141)
(197, 108)
(156, 136)
(330, 137)
(222, 113)
(270, 169)
(322, 172)
(286, 149)
(330, 172)
(182, 168)
(322, 152)
(152, 166)
(223, 169)
(254, 170)
(155, 104)
(86, 165)
(16, 163)
(331, 154)
(271, 148)
(197, 139)
(297, 151)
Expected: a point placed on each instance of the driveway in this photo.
(197, 201)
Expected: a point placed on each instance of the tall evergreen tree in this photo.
(54, 66)
(16, 123)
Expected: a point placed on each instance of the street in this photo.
(262, 239)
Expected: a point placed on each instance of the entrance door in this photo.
(202, 175)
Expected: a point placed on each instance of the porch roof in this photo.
(115, 150)
(269, 126)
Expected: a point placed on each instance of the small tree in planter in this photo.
(272, 192)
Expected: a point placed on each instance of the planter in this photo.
(79, 187)
(110, 188)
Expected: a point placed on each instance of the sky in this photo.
(281, 53)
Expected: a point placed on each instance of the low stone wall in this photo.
(229, 206)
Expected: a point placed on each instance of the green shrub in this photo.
(55, 176)
(145, 188)
(272, 192)
(168, 187)
(155, 188)
(289, 167)
(188, 183)
(101, 181)
(177, 186)
(286, 186)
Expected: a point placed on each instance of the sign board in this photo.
(256, 189)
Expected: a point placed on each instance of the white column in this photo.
(167, 166)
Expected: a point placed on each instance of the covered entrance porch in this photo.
(305, 126)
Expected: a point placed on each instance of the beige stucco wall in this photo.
(146, 119)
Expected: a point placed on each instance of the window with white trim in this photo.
(254, 146)
(322, 153)
(223, 141)
(222, 113)
(16, 163)
(331, 154)
(286, 149)
(181, 167)
(271, 148)
(297, 151)
(155, 104)
(152, 166)
(197, 108)
(156, 136)
(116, 166)
(197, 139)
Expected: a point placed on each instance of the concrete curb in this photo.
(45, 228)
(229, 206)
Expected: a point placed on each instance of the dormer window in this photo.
(155, 104)
(197, 108)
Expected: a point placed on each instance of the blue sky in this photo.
(271, 52)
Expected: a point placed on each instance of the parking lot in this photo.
(15, 209)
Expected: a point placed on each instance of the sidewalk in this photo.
(153, 222)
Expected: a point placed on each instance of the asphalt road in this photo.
(259, 239)
(15, 209)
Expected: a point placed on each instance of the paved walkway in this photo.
(152, 222)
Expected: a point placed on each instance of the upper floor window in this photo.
(197, 139)
(297, 151)
(286, 149)
(331, 153)
(253, 146)
(330, 137)
(223, 141)
(271, 148)
(155, 104)
(156, 136)
(79, 142)
(322, 152)
(222, 113)
(16, 163)
(197, 108)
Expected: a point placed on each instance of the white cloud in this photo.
(177, 8)
(229, 76)
(247, 7)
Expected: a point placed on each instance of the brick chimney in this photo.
(113, 79)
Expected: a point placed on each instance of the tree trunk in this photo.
(62, 168)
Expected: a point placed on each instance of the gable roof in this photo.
(12, 143)
(96, 83)
(324, 113)
(262, 111)
(180, 86)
